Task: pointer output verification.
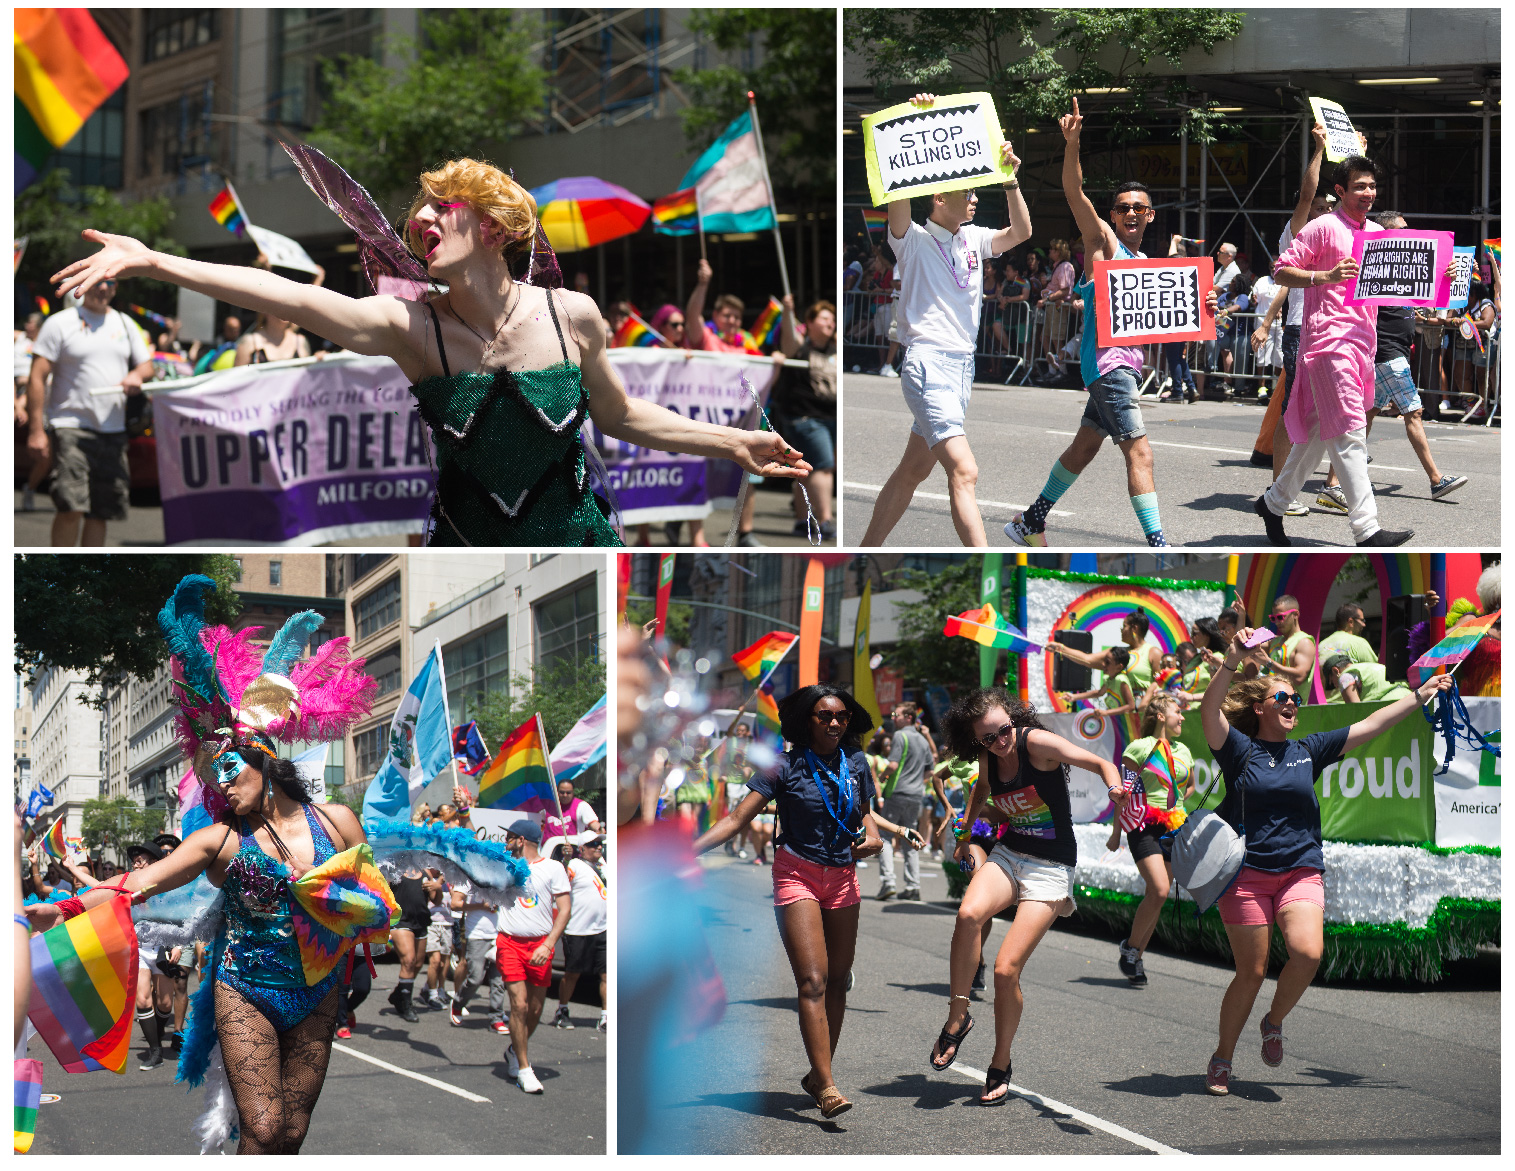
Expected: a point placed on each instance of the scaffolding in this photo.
(609, 67)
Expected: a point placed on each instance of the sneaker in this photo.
(887, 371)
(978, 978)
(28, 499)
(1446, 406)
(799, 529)
(1446, 486)
(1297, 509)
(605, 1021)
(500, 1027)
(1139, 980)
(561, 1020)
(1218, 1077)
(851, 979)
(1332, 499)
(1386, 539)
(828, 530)
(512, 1062)
(528, 1081)
(1129, 958)
(1273, 1042)
(758, 859)
(742, 854)
(1272, 525)
(153, 1060)
(454, 1012)
(343, 1033)
(748, 541)
(885, 894)
(911, 896)
(1020, 533)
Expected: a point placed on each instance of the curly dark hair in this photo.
(281, 772)
(958, 724)
(795, 709)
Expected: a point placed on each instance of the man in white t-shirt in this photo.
(584, 939)
(941, 272)
(96, 357)
(530, 926)
(480, 927)
(1225, 259)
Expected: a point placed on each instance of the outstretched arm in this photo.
(1090, 226)
(694, 312)
(1216, 726)
(1048, 748)
(1309, 183)
(646, 424)
(1386, 717)
(731, 825)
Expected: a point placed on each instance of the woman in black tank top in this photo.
(1023, 771)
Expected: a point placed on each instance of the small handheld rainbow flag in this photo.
(1469, 329)
(767, 709)
(1161, 763)
(52, 840)
(875, 217)
(227, 210)
(519, 777)
(1492, 248)
(985, 627)
(44, 306)
(764, 655)
(28, 1098)
(156, 318)
(676, 214)
(634, 332)
(84, 987)
(1453, 649)
(766, 327)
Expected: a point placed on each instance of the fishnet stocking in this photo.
(275, 1077)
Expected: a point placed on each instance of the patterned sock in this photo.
(1058, 481)
(1146, 512)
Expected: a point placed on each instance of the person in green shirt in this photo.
(1347, 637)
(1349, 682)
(1292, 653)
(1145, 658)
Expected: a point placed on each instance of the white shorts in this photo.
(439, 938)
(1036, 880)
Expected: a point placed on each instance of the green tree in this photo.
(117, 823)
(98, 613)
(51, 214)
(1036, 60)
(561, 691)
(923, 654)
(470, 80)
(794, 82)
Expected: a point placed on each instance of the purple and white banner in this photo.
(291, 453)
(656, 486)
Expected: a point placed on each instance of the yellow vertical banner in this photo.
(862, 653)
(812, 607)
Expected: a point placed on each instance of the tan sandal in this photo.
(832, 1103)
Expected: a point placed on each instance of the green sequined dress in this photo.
(510, 467)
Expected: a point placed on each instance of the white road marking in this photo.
(1031, 1096)
(1233, 451)
(420, 1077)
(875, 488)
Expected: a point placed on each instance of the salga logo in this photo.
(813, 597)
(1378, 777)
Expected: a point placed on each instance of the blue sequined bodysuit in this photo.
(261, 960)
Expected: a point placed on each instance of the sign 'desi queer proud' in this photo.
(1140, 301)
(916, 150)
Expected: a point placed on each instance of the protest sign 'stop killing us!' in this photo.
(951, 145)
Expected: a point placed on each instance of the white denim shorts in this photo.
(1036, 880)
(937, 386)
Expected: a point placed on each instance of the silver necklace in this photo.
(489, 344)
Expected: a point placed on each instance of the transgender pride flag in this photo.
(583, 746)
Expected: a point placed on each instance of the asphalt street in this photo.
(468, 1107)
(1205, 484)
(1098, 1067)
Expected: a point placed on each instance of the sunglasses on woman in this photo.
(831, 718)
(1283, 697)
(993, 737)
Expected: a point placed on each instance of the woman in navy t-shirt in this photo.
(1270, 796)
(824, 791)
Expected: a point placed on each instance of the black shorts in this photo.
(1146, 843)
(584, 954)
(418, 926)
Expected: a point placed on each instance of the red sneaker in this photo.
(1218, 1076)
(343, 1032)
(1273, 1042)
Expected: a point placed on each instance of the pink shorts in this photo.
(1256, 895)
(795, 879)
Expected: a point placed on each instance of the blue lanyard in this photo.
(844, 792)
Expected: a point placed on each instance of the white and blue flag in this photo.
(420, 745)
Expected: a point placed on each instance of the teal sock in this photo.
(1059, 480)
(1146, 512)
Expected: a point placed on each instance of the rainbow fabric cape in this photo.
(676, 214)
(1453, 649)
(228, 212)
(65, 70)
(52, 840)
(762, 656)
(28, 1098)
(84, 987)
(519, 777)
(337, 905)
(634, 332)
(766, 327)
(987, 628)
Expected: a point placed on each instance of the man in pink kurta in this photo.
(1333, 384)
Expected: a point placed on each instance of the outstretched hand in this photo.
(1427, 690)
(1072, 123)
(119, 256)
(765, 453)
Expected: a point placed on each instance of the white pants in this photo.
(1349, 456)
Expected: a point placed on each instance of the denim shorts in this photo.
(937, 387)
(1036, 880)
(1392, 382)
(817, 439)
(1112, 408)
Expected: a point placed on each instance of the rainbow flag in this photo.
(337, 904)
(52, 840)
(1453, 649)
(227, 211)
(44, 306)
(634, 332)
(1161, 763)
(875, 217)
(1492, 248)
(677, 214)
(766, 327)
(28, 1098)
(767, 709)
(985, 627)
(764, 655)
(519, 777)
(84, 987)
(156, 318)
(65, 70)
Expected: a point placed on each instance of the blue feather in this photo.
(181, 620)
(200, 1025)
(486, 863)
(289, 644)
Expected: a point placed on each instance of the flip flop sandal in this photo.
(996, 1078)
(945, 1039)
(832, 1103)
(805, 1085)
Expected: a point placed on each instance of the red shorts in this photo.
(795, 879)
(513, 956)
(1256, 895)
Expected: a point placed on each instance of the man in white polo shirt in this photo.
(530, 926)
(941, 274)
(96, 357)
